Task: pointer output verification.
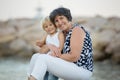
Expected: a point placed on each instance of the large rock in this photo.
(18, 37)
(19, 46)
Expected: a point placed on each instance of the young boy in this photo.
(54, 37)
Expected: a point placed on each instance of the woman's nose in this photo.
(59, 21)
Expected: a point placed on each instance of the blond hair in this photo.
(46, 19)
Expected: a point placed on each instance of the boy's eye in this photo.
(50, 24)
(45, 26)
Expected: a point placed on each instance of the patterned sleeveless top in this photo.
(86, 57)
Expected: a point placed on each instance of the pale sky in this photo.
(27, 8)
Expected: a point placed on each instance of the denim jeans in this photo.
(49, 76)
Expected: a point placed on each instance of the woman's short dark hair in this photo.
(60, 11)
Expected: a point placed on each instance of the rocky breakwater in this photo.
(105, 34)
(18, 36)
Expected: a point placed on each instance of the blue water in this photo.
(16, 69)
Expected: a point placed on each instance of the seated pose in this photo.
(76, 60)
(53, 37)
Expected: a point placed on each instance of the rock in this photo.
(116, 58)
(98, 55)
(20, 47)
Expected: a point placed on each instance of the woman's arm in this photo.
(76, 44)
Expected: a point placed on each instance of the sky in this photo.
(10, 9)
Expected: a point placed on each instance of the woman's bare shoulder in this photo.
(77, 30)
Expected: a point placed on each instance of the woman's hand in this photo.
(55, 50)
(52, 54)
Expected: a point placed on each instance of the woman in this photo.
(76, 60)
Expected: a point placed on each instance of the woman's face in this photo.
(62, 23)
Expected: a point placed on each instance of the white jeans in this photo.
(32, 63)
(61, 68)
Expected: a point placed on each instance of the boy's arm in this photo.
(41, 42)
(57, 50)
(44, 49)
(61, 40)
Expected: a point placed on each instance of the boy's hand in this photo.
(44, 49)
(39, 43)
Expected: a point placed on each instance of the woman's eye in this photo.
(56, 20)
(61, 17)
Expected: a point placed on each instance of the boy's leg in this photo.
(32, 63)
(52, 77)
(49, 76)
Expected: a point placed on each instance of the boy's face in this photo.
(49, 27)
